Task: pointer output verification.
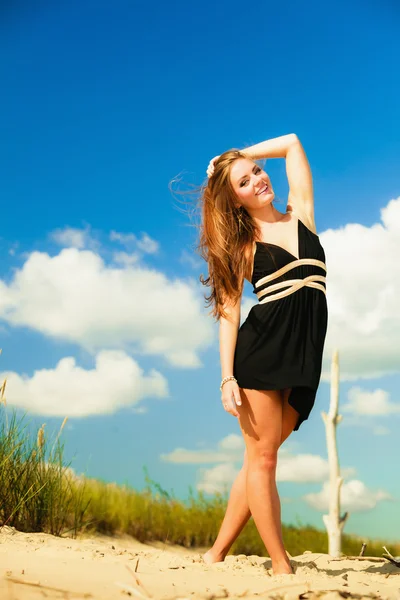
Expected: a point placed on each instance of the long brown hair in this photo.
(227, 234)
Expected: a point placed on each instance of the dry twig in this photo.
(137, 581)
(48, 587)
(371, 558)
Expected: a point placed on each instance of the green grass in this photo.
(39, 493)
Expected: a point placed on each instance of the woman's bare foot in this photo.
(282, 568)
(211, 557)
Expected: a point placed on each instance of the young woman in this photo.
(271, 365)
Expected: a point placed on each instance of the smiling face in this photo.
(251, 184)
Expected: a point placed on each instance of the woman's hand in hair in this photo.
(210, 168)
(231, 397)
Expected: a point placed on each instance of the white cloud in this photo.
(183, 456)
(71, 237)
(363, 287)
(192, 259)
(126, 239)
(232, 442)
(303, 468)
(366, 402)
(355, 497)
(229, 449)
(218, 479)
(126, 259)
(68, 390)
(146, 244)
(75, 296)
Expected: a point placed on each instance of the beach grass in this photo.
(39, 493)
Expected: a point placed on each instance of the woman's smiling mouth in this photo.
(263, 190)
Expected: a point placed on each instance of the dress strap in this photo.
(292, 265)
(292, 285)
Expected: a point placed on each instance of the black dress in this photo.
(280, 344)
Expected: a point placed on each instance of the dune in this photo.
(37, 565)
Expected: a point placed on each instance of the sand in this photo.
(37, 566)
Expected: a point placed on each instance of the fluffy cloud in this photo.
(229, 449)
(75, 296)
(217, 480)
(355, 497)
(363, 291)
(126, 259)
(116, 381)
(145, 244)
(303, 468)
(70, 237)
(232, 443)
(366, 402)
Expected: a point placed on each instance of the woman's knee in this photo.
(264, 459)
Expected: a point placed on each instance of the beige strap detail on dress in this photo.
(295, 263)
(292, 285)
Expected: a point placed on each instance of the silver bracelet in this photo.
(225, 379)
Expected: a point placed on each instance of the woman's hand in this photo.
(231, 397)
(210, 168)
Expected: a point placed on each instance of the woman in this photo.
(271, 365)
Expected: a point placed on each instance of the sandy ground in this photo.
(37, 566)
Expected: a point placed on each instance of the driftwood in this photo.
(395, 560)
(334, 523)
(369, 558)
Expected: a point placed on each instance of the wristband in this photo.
(225, 379)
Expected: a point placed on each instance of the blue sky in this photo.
(102, 106)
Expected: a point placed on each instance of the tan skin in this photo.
(266, 418)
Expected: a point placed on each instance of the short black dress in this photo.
(280, 344)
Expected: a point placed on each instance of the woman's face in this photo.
(251, 184)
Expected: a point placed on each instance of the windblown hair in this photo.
(227, 234)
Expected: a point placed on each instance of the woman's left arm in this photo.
(301, 196)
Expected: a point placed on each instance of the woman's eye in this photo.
(242, 183)
(258, 170)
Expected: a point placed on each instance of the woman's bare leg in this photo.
(238, 513)
(260, 418)
(236, 516)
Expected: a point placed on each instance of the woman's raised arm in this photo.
(301, 195)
